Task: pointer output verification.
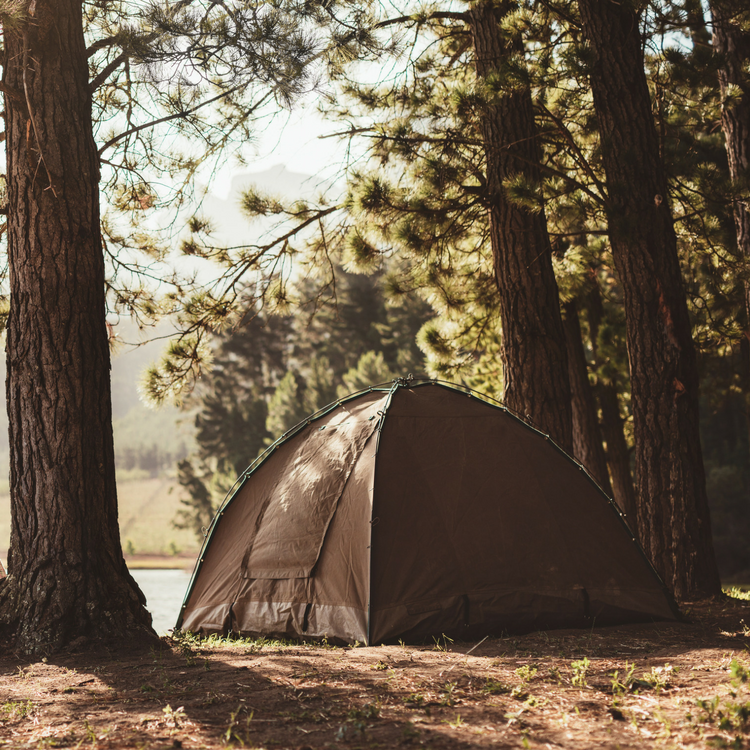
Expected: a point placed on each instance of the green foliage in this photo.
(527, 672)
(624, 684)
(274, 371)
(740, 674)
(370, 370)
(495, 687)
(580, 669)
(737, 593)
(286, 407)
(414, 210)
(421, 194)
(14, 710)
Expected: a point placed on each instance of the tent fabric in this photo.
(415, 511)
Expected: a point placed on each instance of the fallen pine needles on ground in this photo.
(671, 685)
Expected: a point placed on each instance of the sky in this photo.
(293, 140)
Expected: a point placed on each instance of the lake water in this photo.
(164, 591)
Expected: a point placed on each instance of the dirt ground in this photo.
(669, 685)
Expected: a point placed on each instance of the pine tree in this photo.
(75, 116)
(731, 39)
(274, 371)
(672, 508)
(535, 362)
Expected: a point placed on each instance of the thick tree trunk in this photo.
(67, 576)
(731, 41)
(533, 351)
(672, 509)
(587, 440)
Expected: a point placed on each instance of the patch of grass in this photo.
(15, 710)
(448, 692)
(659, 678)
(727, 715)
(187, 641)
(527, 672)
(442, 643)
(740, 675)
(366, 713)
(624, 685)
(738, 593)
(356, 721)
(415, 700)
(553, 674)
(495, 687)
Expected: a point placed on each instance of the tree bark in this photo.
(612, 425)
(732, 45)
(672, 508)
(587, 440)
(618, 455)
(534, 356)
(67, 577)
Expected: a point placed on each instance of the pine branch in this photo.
(574, 147)
(178, 115)
(101, 44)
(107, 72)
(437, 16)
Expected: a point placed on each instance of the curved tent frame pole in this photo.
(254, 466)
(391, 388)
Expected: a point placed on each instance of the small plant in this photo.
(456, 723)
(727, 717)
(15, 710)
(173, 716)
(626, 684)
(735, 716)
(89, 732)
(659, 678)
(448, 691)
(414, 699)
(444, 645)
(368, 712)
(737, 593)
(580, 668)
(740, 675)
(232, 733)
(553, 673)
(495, 687)
(527, 672)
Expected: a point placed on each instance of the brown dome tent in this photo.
(412, 510)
